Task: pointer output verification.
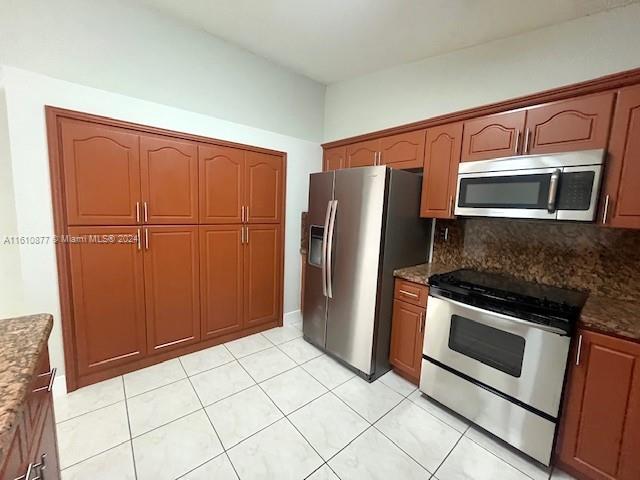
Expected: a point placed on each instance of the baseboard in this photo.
(291, 318)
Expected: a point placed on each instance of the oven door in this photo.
(521, 361)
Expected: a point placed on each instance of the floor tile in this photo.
(371, 400)
(323, 473)
(437, 410)
(241, 415)
(560, 475)
(425, 438)
(372, 456)
(219, 468)
(266, 364)
(92, 433)
(277, 452)
(280, 335)
(216, 384)
(293, 389)
(162, 405)
(116, 463)
(328, 372)
(508, 454)
(300, 350)
(328, 424)
(175, 449)
(152, 377)
(297, 324)
(87, 399)
(398, 384)
(248, 345)
(469, 461)
(206, 359)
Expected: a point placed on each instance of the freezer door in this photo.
(314, 315)
(354, 260)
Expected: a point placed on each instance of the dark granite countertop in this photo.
(22, 340)
(600, 313)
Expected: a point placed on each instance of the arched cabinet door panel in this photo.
(334, 159)
(221, 184)
(363, 154)
(405, 150)
(101, 173)
(264, 187)
(493, 136)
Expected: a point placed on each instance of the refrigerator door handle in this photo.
(323, 259)
(329, 258)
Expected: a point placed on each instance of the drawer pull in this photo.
(49, 387)
(404, 292)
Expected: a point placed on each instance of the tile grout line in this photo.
(126, 406)
(450, 452)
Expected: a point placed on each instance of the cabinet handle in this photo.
(526, 140)
(49, 387)
(137, 212)
(139, 238)
(27, 475)
(579, 351)
(247, 235)
(606, 210)
(451, 207)
(379, 158)
(146, 239)
(146, 212)
(241, 235)
(247, 215)
(242, 215)
(517, 142)
(404, 292)
(421, 322)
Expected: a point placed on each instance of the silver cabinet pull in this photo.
(526, 140)
(242, 215)
(242, 235)
(421, 322)
(137, 212)
(553, 190)
(404, 292)
(451, 207)
(27, 475)
(146, 239)
(247, 235)
(52, 377)
(247, 219)
(517, 142)
(579, 351)
(146, 212)
(606, 210)
(139, 238)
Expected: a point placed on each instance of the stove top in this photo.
(538, 303)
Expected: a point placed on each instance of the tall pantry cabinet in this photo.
(170, 242)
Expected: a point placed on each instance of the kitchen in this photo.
(459, 301)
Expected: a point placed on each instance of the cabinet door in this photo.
(568, 125)
(493, 136)
(46, 448)
(334, 158)
(108, 297)
(262, 274)
(172, 286)
(221, 184)
(362, 154)
(441, 159)
(169, 170)
(221, 278)
(406, 338)
(264, 187)
(101, 174)
(601, 425)
(621, 195)
(14, 458)
(405, 150)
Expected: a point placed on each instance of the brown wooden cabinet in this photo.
(102, 170)
(620, 205)
(107, 283)
(14, 459)
(264, 187)
(221, 184)
(363, 154)
(172, 286)
(493, 136)
(221, 279)
(334, 159)
(169, 180)
(441, 159)
(405, 150)
(600, 434)
(575, 124)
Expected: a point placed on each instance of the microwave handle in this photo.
(553, 190)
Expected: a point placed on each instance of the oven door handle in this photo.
(502, 316)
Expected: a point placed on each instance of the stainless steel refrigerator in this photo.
(363, 224)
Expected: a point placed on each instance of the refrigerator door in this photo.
(354, 261)
(314, 315)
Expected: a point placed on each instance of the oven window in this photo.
(513, 191)
(495, 348)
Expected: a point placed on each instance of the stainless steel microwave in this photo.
(560, 186)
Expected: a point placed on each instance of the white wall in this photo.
(122, 46)
(579, 50)
(27, 94)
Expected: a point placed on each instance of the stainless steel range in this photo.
(495, 351)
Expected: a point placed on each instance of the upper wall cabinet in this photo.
(621, 196)
(576, 124)
(334, 158)
(221, 184)
(441, 158)
(363, 154)
(169, 171)
(102, 174)
(493, 136)
(264, 187)
(405, 150)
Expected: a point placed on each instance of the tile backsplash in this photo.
(603, 261)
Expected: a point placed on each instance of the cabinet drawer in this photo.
(410, 292)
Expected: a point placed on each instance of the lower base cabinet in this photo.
(600, 434)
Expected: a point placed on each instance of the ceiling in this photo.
(332, 40)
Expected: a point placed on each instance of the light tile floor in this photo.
(271, 406)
